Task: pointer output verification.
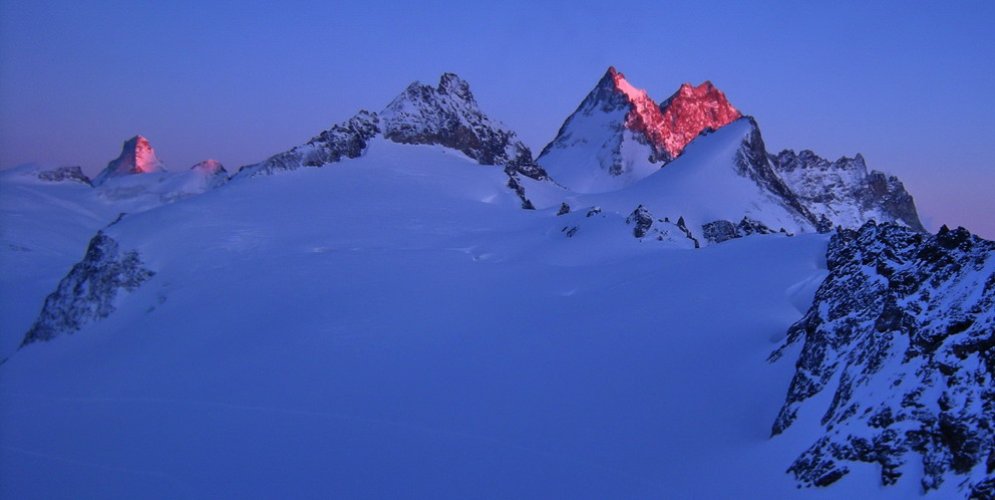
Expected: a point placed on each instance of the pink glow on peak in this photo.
(144, 158)
(137, 157)
(693, 109)
(669, 128)
(645, 116)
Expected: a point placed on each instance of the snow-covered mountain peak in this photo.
(644, 117)
(621, 84)
(448, 115)
(210, 166)
(137, 157)
(619, 134)
(445, 115)
(692, 110)
(844, 192)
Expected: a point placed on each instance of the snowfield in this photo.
(409, 305)
(396, 326)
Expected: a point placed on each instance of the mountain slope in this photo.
(295, 312)
(715, 179)
(619, 135)
(901, 332)
(398, 326)
(843, 193)
(446, 115)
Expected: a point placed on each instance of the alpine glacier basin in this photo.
(395, 326)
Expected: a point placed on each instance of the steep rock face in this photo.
(448, 115)
(345, 140)
(74, 174)
(137, 157)
(619, 134)
(753, 162)
(843, 192)
(88, 292)
(691, 111)
(594, 151)
(901, 332)
(445, 115)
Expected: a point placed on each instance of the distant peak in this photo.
(209, 166)
(137, 157)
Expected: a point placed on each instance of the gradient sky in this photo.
(911, 85)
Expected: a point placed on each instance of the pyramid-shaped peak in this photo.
(137, 157)
(615, 80)
(449, 116)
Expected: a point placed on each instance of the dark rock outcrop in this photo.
(753, 162)
(74, 174)
(345, 140)
(683, 227)
(88, 292)
(901, 331)
(448, 115)
(642, 219)
(723, 230)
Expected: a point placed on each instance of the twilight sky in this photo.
(909, 84)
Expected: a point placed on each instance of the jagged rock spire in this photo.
(137, 157)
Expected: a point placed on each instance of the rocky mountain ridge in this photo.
(625, 134)
(901, 334)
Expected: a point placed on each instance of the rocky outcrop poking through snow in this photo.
(642, 221)
(345, 140)
(74, 174)
(61, 174)
(901, 333)
(137, 157)
(843, 192)
(645, 227)
(88, 292)
(723, 230)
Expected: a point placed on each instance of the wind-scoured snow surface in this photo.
(393, 324)
(398, 326)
